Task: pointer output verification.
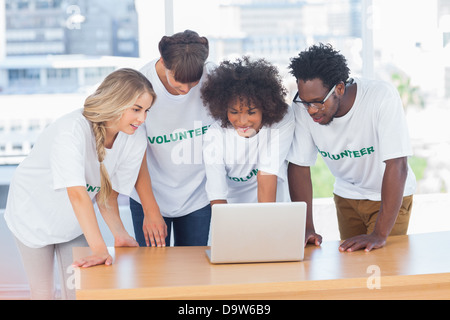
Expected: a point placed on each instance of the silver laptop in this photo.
(257, 232)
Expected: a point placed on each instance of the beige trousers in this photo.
(356, 217)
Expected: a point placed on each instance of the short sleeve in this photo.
(391, 122)
(67, 160)
(274, 144)
(303, 151)
(213, 157)
(124, 178)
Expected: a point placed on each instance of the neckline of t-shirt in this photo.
(116, 142)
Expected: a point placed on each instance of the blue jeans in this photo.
(189, 230)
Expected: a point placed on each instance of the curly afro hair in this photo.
(256, 83)
(320, 62)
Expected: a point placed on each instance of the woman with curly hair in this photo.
(245, 149)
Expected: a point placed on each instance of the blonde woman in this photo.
(89, 155)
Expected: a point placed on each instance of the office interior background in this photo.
(53, 53)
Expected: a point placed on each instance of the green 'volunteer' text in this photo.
(92, 188)
(347, 154)
(178, 136)
(247, 178)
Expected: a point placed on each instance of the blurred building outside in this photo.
(56, 51)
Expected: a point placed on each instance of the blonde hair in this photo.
(118, 92)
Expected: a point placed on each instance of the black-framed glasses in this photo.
(317, 105)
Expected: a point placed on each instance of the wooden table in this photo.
(408, 267)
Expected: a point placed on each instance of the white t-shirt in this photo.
(355, 146)
(175, 128)
(38, 210)
(232, 162)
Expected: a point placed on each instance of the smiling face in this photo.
(135, 116)
(132, 118)
(246, 120)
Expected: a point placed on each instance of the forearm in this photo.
(111, 215)
(213, 202)
(154, 226)
(85, 213)
(391, 195)
(267, 187)
(300, 189)
(144, 189)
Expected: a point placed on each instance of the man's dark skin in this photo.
(300, 185)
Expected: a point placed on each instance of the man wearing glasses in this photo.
(359, 128)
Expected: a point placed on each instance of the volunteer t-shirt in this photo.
(232, 162)
(355, 146)
(175, 127)
(38, 210)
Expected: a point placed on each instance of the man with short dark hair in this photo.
(359, 128)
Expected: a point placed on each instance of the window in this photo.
(415, 45)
